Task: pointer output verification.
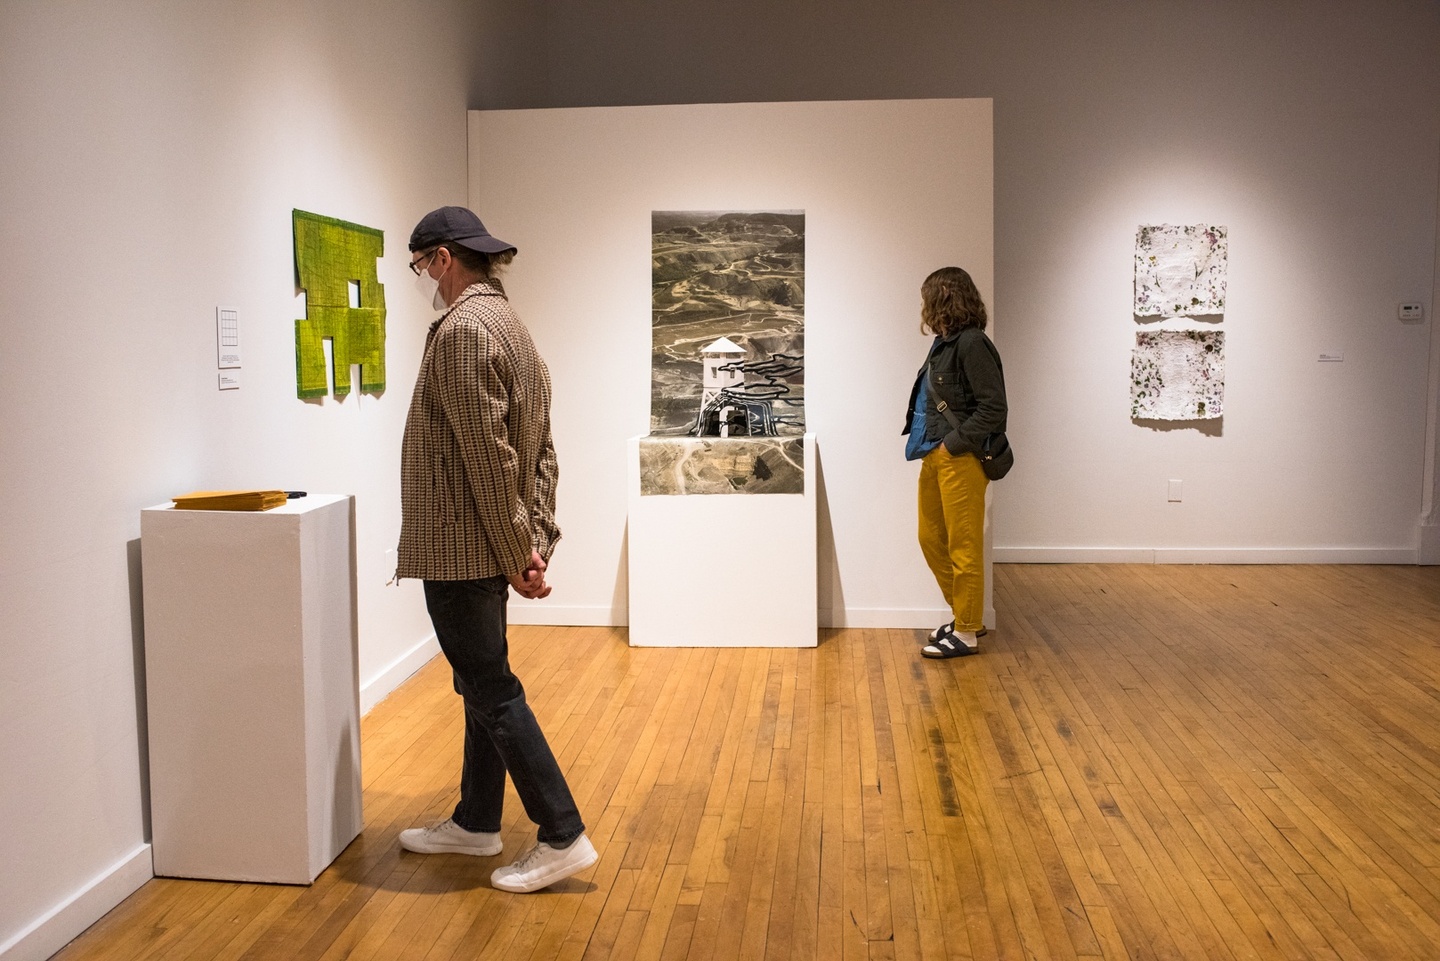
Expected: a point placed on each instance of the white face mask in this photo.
(429, 288)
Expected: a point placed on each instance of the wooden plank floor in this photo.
(1145, 762)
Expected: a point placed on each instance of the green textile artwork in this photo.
(330, 256)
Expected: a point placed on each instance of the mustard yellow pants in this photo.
(952, 531)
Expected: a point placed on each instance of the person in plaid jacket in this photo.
(477, 490)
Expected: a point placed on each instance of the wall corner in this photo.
(1429, 552)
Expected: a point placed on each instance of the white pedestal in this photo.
(252, 686)
(722, 570)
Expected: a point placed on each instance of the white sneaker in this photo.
(447, 837)
(542, 866)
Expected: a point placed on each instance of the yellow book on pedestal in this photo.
(253, 500)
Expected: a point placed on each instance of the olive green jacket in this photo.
(966, 373)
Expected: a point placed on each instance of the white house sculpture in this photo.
(724, 369)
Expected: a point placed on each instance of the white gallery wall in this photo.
(153, 152)
(151, 158)
(1430, 515)
(1310, 130)
(891, 190)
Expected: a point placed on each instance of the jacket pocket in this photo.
(440, 488)
(950, 387)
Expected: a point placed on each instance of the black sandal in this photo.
(949, 645)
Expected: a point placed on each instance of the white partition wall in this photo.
(891, 190)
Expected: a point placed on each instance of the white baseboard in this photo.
(378, 688)
(1429, 552)
(67, 920)
(546, 615)
(883, 616)
(891, 617)
(1299, 555)
(521, 611)
(1205, 555)
(1073, 555)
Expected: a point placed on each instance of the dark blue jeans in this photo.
(501, 733)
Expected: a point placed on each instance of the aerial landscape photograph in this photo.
(736, 277)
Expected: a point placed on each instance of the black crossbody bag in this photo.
(996, 457)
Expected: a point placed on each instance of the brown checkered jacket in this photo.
(477, 467)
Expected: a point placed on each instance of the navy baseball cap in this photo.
(456, 225)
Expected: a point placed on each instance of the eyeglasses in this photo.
(415, 264)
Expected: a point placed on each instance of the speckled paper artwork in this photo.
(1178, 375)
(1180, 271)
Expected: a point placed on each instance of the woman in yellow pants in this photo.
(957, 403)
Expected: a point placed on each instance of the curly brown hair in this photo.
(950, 302)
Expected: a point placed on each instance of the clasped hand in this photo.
(531, 581)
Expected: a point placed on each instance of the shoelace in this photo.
(526, 858)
